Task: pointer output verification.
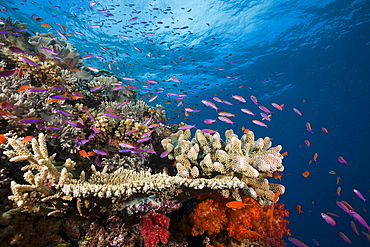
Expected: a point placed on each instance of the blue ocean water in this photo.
(310, 55)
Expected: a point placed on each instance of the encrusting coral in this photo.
(207, 155)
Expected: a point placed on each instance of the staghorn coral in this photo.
(206, 155)
(43, 193)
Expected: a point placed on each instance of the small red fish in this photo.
(27, 139)
(306, 174)
(2, 139)
(234, 205)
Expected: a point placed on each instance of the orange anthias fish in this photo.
(306, 174)
(27, 139)
(270, 210)
(45, 25)
(277, 176)
(254, 233)
(245, 130)
(85, 154)
(285, 154)
(23, 88)
(299, 209)
(234, 205)
(2, 139)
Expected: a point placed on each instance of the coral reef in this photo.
(154, 229)
(249, 223)
(111, 179)
(207, 155)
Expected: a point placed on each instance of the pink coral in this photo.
(154, 228)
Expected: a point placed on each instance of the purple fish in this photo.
(97, 161)
(354, 228)
(210, 104)
(209, 121)
(359, 219)
(118, 88)
(265, 117)
(208, 131)
(328, 219)
(191, 110)
(81, 141)
(259, 123)
(57, 57)
(254, 99)
(124, 150)
(138, 49)
(344, 237)
(153, 126)
(61, 34)
(59, 88)
(131, 132)
(30, 120)
(185, 127)
(53, 127)
(75, 124)
(122, 104)
(7, 72)
(147, 133)
(37, 89)
(227, 102)
(91, 116)
(358, 193)
(263, 108)
(29, 61)
(247, 111)
(15, 49)
(109, 114)
(226, 120)
(297, 111)
(148, 121)
(52, 51)
(143, 139)
(126, 145)
(100, 152)
(151, 81)
(96, 88)
(297, 242)
(59, 97)
(64, 113)
(164, 154)
(138, 151)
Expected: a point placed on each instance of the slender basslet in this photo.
(328, 219)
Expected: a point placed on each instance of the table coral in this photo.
(206, 155)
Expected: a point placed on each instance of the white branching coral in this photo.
(246, 158)
(50, 188)
(43, 193)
